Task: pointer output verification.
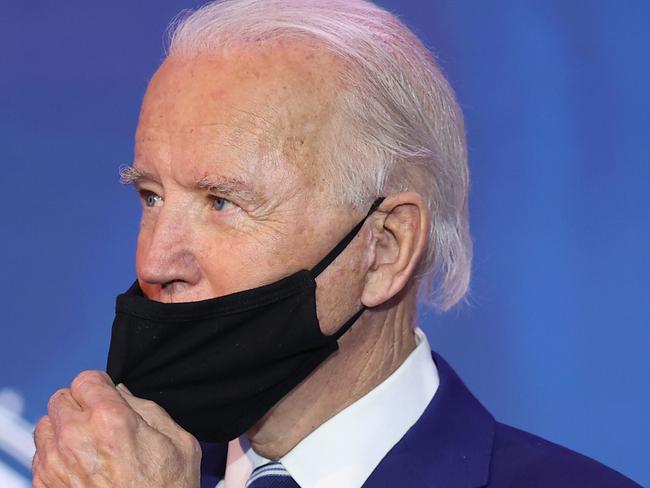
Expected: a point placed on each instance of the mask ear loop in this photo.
(334, 253)
(338, 249)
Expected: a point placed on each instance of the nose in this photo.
(166, 255)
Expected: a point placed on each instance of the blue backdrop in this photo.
(555, 337)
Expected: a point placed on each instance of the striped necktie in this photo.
(271, 475)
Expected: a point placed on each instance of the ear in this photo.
(401, 234)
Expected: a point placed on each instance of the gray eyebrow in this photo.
(220, 185)
(228, 186)
(130, 174)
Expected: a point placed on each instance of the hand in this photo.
(97, 435)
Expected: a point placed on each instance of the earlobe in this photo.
(400, 242)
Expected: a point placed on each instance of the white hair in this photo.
(404, 129)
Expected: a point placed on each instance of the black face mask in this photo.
(218, 365)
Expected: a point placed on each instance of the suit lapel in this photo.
(449, 446)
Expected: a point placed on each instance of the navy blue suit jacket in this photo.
(456, 443)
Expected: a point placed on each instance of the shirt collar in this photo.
(345, 450)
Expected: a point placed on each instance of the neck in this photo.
(368, 353)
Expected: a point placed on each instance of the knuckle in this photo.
(44, 458)
(41, 461)
(190, 443)
(109, 417)
(42, 426)
(195, 447)
(52, 403)
(93, 376)
(153, 409)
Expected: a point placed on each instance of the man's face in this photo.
(229, 148)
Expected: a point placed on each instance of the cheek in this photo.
(249, 258)
(230, 264)
(218, 264)
(338, 294)
(335, 303)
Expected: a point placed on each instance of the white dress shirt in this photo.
(344, 451)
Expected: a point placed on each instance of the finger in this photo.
(47, 466)
(158, 419)
(92, 388)
(37, 482)
(63, 409)
(42, 478)
(151, 412)
(43, 434)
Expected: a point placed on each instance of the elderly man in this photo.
(302, 170)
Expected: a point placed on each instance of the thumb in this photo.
(152, 413)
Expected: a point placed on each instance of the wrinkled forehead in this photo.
(276, 102)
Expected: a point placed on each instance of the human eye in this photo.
(150, 199)
(221, 204)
